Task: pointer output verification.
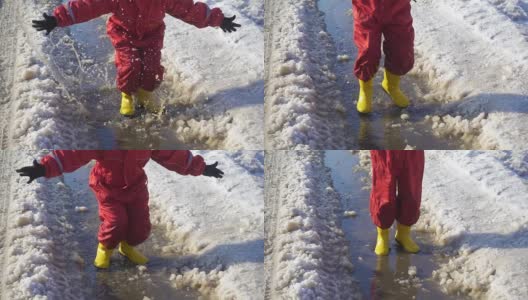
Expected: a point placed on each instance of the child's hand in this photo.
(33, 172)
(228, 25)
(49, 23)
(213, 171)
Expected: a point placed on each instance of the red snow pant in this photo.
(396, 186)
(124, 216)
(138, 68)
(393, 20)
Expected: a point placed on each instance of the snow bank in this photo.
(303, 105)
(306, 253)
(43, 114)
(475, 54)
(38, 249)
(221, 73)
(217, 222)
(486, 226)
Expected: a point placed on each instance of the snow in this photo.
(37, 249)
(221, 224)
(306, 253)
(303, 106)
(485, 225)
(42, 113)
(223, 72)
(474, 55)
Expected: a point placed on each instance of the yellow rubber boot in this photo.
(146, 99)
(131, 253)
(364, 104)
(403, 237)
(382, 243)
(391, 85)
(127, 105)
(102, 259)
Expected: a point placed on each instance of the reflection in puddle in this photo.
(399, 275)
(384, 128)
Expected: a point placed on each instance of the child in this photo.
(120, 186)
(396, 195)
(393, 20)
(136, 29)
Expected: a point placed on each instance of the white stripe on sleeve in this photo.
(58, 161)
(70, 11)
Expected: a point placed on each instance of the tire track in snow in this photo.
(272, 178)
(9, 37)
(5, 198)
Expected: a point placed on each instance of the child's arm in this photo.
(197, 14)
(74, 12)
(180, 161)
(185, 163)
(58, 162)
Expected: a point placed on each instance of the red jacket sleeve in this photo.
(64, 161)
(197, 14)
(78, 11)
(180, 161)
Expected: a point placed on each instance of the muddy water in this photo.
(380, 277)
(384, 128)
(95, 88)
(123, 280)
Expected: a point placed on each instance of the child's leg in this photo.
(114, 220)
(410, 187)
(383, 194)
(398, 44)
(128, 63)
(152, 70)
(367, 37)
(138, 215)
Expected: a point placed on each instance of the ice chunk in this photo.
(412, 271)
(343, 57)
(81, 208)
(350, 213)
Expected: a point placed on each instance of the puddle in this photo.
(384, 128)
(123, 280)
(380, 277)
(145, 131)
(95, 87)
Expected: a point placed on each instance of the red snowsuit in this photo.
(393, 20)
(120, 186)
(391, 169)
(136, 29)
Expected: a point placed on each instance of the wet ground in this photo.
(123, 280)
(399, 275)
(384, 128)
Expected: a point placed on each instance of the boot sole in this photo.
(129, 116)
